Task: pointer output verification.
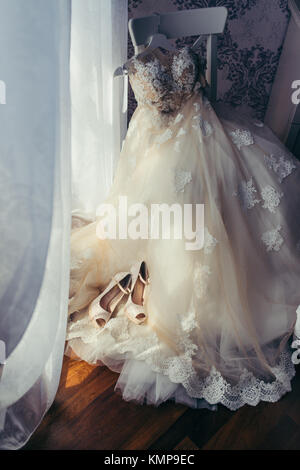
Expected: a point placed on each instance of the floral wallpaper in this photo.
(248, 51)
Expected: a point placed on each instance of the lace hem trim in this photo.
(248, 391)
(214, 388)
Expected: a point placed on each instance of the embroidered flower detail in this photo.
(241, 138)
(280, 165)
(164, 137)
(201, 276)
(207, 103)
(297, 331)
(182, 178)
(271, 198)
(196, 124)
(209, 242)
(178, 118)
(188, 323)
(272, 239)
(181, 132)
(246, 193)
(183, 70)
(177, 146)
(205, 126)
(296, 355)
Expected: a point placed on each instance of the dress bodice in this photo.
(164, 79)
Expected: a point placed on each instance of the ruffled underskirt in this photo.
(149, 375)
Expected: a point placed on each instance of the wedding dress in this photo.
(220, 319)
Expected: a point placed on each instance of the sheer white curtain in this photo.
(98, 47)
(40, 130)
(34, 208)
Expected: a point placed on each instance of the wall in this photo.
(248, 51)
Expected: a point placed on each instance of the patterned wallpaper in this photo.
(248, 51)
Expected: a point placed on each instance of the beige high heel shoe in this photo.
(102, 308)
(134, 307)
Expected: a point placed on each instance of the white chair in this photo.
(157, 28)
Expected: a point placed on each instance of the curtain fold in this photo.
(98, 47)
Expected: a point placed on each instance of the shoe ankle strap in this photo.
(125, 291)
(143, 280)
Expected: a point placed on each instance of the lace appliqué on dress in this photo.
(241, 138)
(178, 118)
(207, 103)
(272, 239)
(249, 390)
(280, 165)
(246, 193)
(271, 198)
(188, 323)
(296, 354)
(183, 70)
(164, 82)
(202, 274)
(205, 126)
(151, 80)
(181, 132)
(181, 179)
(164, 137)
(177, 144)
(210, 242)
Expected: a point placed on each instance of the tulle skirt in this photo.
(220, 318)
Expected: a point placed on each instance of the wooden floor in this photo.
(88, 414)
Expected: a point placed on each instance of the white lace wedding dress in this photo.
(219, 319)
